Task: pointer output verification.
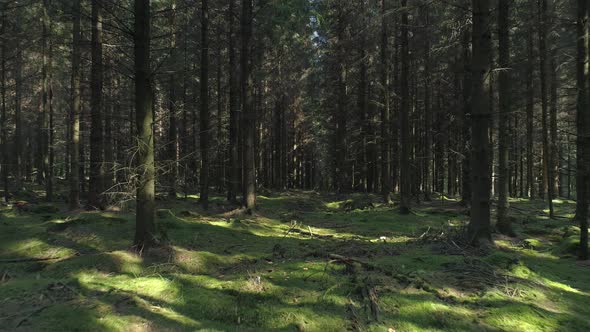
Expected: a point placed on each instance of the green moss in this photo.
(263, 273)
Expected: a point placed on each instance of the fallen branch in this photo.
(40, 259)
(22, 260)
(349, 260)
(36, 311)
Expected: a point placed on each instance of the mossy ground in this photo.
(277, 270)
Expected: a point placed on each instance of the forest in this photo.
(294, 165)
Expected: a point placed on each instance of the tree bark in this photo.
(466, 122)
(554, 156)
(405, 162)
(479, 232)
(43, 133)
(504, 224)
(385, 110)
(583, 125)
(234, 109)
(340, 172)
(96, 183)
(145, 213)
(547, 169)
(3, 119)
(427, 183)
(18, 131)
(204, 111)
(248, 111)
(172, 109)
(530, 107)
(361, 159)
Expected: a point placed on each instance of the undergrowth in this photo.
(303, 262)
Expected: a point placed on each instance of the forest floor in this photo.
(303, 262)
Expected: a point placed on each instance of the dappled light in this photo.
(255, 272)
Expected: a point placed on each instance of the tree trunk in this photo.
(361, 160)
(466, 122)
(583, 126)
(172, 109)
(74, 200)
(530, 107)
(42, 142)
(504, 224)
(234, 110)
(427, 113)
(340, 172)
(248, 111)
(108, 140)
(479, 232)
(405, 162)
(547, 169)
(145, 213)
(554, 156)
(204, 111)
(385, 117)
(18, 136)
(3, 119)
(50, 124)
(96, 187)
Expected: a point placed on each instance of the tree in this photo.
(234, 109)
(204, 112)
(504, 90)
(385, 116)
(340, 171)
(530, 106)
(583, 125)
(466, 121)
(145, 210)
(479, 231)
(427, 110)
(18, 130)
(405, 171)
(97, 173)
(543, 65)
(74, 199)
(3, 117)
(42, 118)
(248, 111)
(172, 108)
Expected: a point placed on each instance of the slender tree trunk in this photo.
(248, 111)
(18, 136)
(530, 106)
(204, 112)
(145, 213)
(427, 112)
(96, 187)
(172, 109)
(547, 169)
(405, 163)
(583, 125)
(234, 109)
(479, 231)
(42, 142)
(466, 122)
(385, 116)
(83, 129)
(554, 156)
(50, 128)
(362, 105)
(504, 224)
(340, 173)
(108, 141)
(3, 119)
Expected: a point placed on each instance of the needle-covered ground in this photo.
(303, 262)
